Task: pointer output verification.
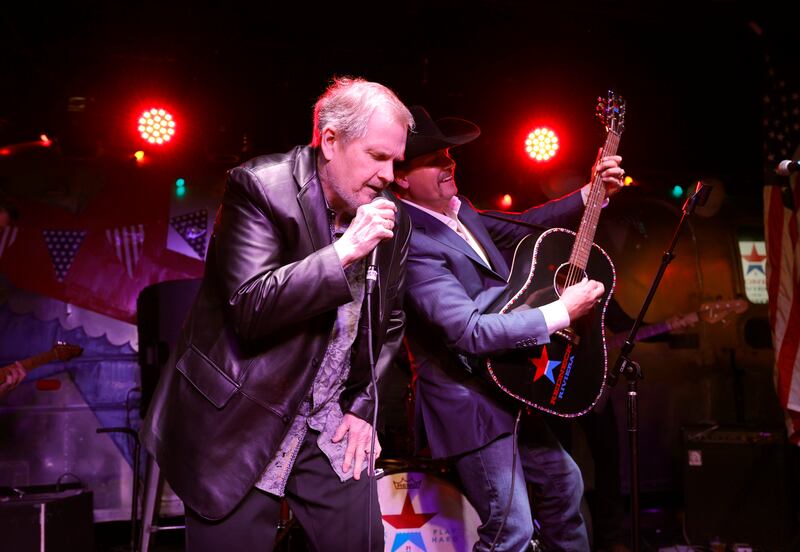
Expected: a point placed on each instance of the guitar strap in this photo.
(539, 228)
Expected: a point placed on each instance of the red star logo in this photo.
(408, 518)
(544, 366)
(754, 257)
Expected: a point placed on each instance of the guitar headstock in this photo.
(66, 351)
(715, 311)
(611, 112)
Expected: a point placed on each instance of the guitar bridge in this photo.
(569, 335)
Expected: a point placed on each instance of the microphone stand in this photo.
(633, 371)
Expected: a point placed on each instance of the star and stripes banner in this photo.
(63, 245)
(193, 228)
(781, 201)
(7, 236)
(783, 287)
(128, 242)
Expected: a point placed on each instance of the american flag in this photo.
(782, 229)
(127, 242)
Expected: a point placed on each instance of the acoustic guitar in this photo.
(566, 376)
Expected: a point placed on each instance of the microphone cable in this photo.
(371, 281)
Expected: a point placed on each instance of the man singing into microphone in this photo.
(270, 393)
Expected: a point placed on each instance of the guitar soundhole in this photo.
(566, 275)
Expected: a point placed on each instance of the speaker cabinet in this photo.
(160, 311)
(58, 521)
(735, 486)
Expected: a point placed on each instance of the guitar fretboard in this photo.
(648, 331)
(37, 360)
(591, 214)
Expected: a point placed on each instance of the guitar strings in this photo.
(585, 238)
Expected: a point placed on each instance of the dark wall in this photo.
(693, 76)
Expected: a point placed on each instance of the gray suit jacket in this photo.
(449, 288)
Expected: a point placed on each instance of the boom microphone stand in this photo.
(633, 371)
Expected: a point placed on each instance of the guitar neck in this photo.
(61, 352)
(618, 340)
(594, 204)
(647, 331)
(37, 360)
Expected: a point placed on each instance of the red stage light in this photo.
(541, 144)
(156, 126)
(505, 202)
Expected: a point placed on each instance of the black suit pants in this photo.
(333, 514)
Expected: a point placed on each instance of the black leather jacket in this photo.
(255, 336)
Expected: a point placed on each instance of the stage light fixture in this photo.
(505, 201)
(156, 126)
(541, 144)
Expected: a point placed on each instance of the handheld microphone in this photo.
(372, 270)
(787, 167)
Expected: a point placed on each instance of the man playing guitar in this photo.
(455, 271)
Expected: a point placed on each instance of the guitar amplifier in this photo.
(46, 521)
(735, 486)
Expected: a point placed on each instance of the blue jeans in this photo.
(555, 481)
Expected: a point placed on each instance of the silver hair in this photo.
(347, 105)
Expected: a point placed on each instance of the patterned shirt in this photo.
(320, 409)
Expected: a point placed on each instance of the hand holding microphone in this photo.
(372, 224)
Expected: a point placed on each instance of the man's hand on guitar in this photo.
(10, 377)
(611, 173)
(581, 297)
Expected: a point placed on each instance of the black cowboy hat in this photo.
(429, 135)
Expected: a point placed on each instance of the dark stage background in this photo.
(694, 75)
